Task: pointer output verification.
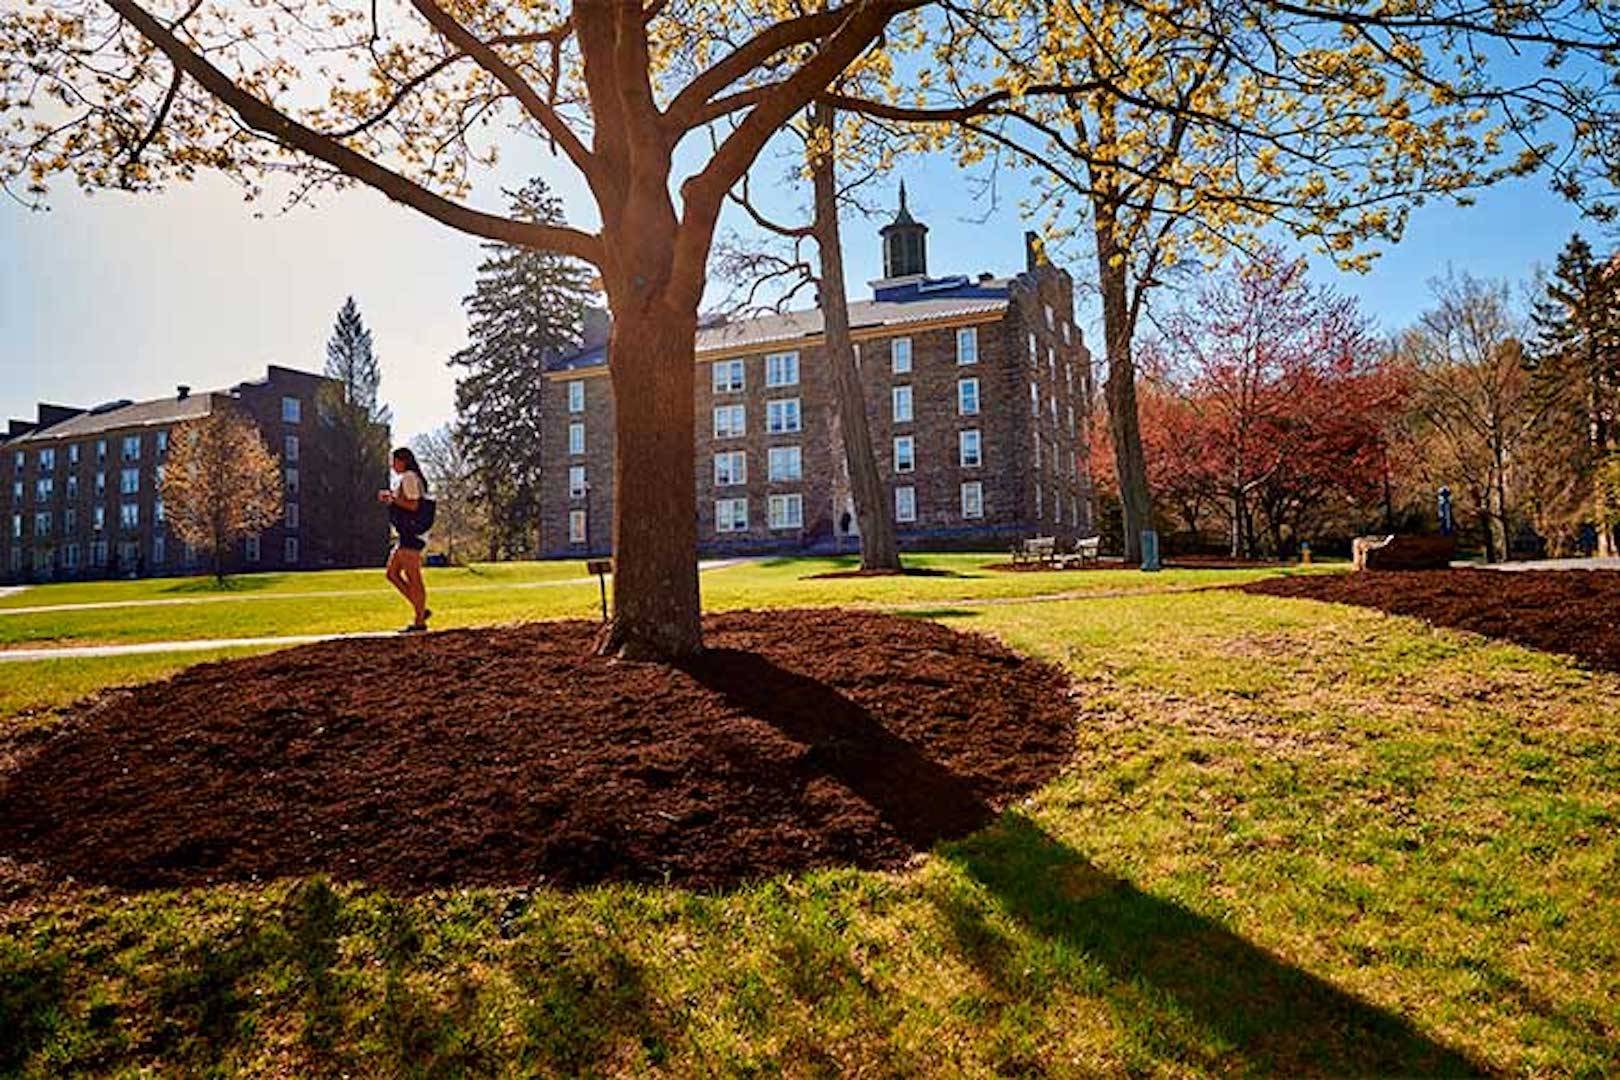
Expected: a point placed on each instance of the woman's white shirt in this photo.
(407, 485)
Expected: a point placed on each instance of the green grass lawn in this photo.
(1296, 838)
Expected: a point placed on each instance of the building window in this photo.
(782, 369)
(292, 410)
(42, 523)
(289, 550)
(250, 548)
(1034, 352)
(159, 551)
(577, 486)
(967, 397)
(98, 553)
(129, 516)
(101, 451)
(973, 499)
(101, 484)
(902, 404)
(728, 376)
(967, 345)
(17, 491)
(730, 421)
(1039, 512)
(19, 461)
(905, 504)
(132, 448)
(1034, 399)
(786, 464)
(129, 481)
(730, 468)
(731, 515)
(47, 461)
(782, 416)
(128, 553)
(73, 455)
(900, 355)
(787, 511)
(16, 560)
(576, 396)
(289, 449)
(1051, 322)
(72, 486)
(70, 556)
(967, 447)
(291, 484)
(576, 526)
(1057, 507)
(1037, 452)
(576, 438)
(905, 454)
(44, 488)
(158, 516)
(98, 518)
(16, 526)
(163, 442)
(290, 515)
(70, 521)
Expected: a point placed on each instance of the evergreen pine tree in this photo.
(349, 456)
(525, 306)
(1577, 369)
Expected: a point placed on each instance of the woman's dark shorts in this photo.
(411, 543)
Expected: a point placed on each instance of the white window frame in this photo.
(905, 462)
(160, 550)
(129, 516)
(964, 439)
(132, 443)
(73, 455)
(906, 414)
(736, 379)
(578, 485)
(967, 346)
(289, 449)
(785, 511)
(129, 481)
(1034, 398)
(289, 550)
(576, 438)
(725, 517)
(962, 395)
(777, 413)
(576, 395)
(576, 527)
(292, 410)
(70, 556)
(900, 356)
(289, 481)
(730, 468)
(905, 504)
(290, 515)
(47, 460)
(251, 548)
(972, 509)
(735, 424)
(782, 369)
(776, 456)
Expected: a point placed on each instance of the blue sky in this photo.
(122, 296)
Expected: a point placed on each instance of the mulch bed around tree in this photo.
(514, 756)
(1575, 612)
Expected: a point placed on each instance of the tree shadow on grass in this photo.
(938, 613)
(1157, 955)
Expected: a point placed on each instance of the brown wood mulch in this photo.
(1574, 612)
(514, 756)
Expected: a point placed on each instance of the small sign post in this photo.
(601, 568)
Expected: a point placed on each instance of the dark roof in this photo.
(169, 410)
(911, 302)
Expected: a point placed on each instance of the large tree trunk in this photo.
(880, 549)
(656, 610)
(1130, 464)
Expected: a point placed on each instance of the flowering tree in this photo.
(220, 484)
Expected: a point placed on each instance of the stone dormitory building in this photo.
(977, 389)
(79, 488)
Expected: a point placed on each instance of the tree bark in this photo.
(1130, 464)
(880, 547)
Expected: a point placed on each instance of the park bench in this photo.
(1087, 549)
(1037, 549)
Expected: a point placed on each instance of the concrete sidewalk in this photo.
(1609, 563)
(140, 648)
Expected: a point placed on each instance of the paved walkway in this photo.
(173, 601)
(1610, 563)
(11, 590)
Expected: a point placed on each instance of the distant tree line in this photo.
(1272, 413)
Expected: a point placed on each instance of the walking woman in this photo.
(406, 499)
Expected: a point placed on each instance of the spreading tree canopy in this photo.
(403, 97)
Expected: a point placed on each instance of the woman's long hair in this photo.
(404, 453)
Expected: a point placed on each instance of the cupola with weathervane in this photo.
(905, 244)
